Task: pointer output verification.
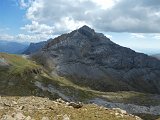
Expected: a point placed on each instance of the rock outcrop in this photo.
(34, 47)
(91, 59)
(3, 62)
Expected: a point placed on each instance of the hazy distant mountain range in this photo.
(12, 47)
(20, 48)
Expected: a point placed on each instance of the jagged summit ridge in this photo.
(80, 35)
(87, 31)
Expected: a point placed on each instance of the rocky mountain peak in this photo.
(87, 31)
(89, 57)
(75, 37)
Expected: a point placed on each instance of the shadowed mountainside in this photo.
(90, 59)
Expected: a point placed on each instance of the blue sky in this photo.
(11, 16)
(130, 23)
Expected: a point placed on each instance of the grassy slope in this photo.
(19, 78)
(14, 79)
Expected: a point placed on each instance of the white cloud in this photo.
(68, 24)
(156, 36)
(37, 32)
(24, 3)
(50, 11)
(59, 16)
(26, 37)
(32, 38)
(105, 4)
(108, 36)
(51, 17)
(37, 28)
(137, 35)
(33, 10)
(105, 15)
(6, 37)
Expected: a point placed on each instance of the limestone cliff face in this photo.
(91, 59)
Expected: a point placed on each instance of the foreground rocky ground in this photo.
(37, 108)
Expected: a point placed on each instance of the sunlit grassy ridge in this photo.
(15, 79)
(18, 65)
(23, 73)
